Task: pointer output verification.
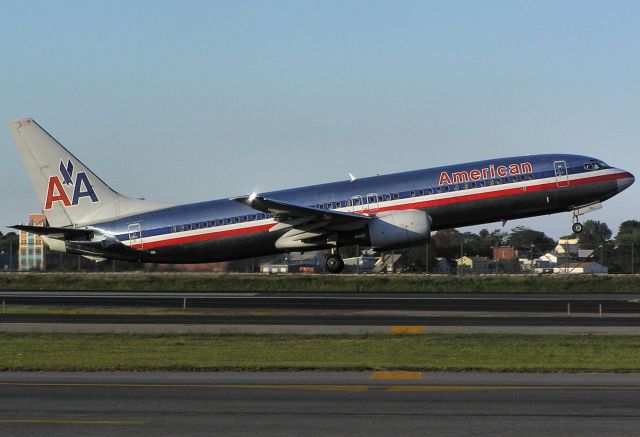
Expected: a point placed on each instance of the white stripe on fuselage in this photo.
(385, 204)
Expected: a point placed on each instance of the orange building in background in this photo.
(31, 247)
(504, 253)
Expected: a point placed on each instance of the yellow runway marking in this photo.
(406, 330)
(70, 422)
(393, 374)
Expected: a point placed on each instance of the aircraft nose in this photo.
(625, 181)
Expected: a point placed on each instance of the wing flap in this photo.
(284, 212)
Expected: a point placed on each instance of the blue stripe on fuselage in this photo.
(161, 222)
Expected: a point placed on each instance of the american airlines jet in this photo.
(86, 217)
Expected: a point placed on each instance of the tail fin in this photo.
(70, 194)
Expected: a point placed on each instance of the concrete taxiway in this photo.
(318, 403)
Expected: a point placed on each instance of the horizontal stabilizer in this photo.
(65, 233)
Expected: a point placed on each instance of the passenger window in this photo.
(395, 196)
(173, 228)
(348, 202)
(413, 194)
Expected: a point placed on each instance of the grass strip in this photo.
(495, 352)
(306, 282)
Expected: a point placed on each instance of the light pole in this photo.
(601, 253)
(426, 269)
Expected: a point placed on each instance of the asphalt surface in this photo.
(318, 403)
(328, 313)
(517, 302)
(313, 320)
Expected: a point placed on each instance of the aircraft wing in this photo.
(287, 211)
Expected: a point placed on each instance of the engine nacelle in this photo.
(396, 229)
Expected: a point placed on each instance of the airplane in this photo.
(86, 217)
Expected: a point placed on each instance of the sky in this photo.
(189, 101)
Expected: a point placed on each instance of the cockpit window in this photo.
(595, 165)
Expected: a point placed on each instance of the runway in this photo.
(515, 302)
(318, 403)
(326, 313)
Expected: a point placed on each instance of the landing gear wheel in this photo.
(577, 228)
(334, 264)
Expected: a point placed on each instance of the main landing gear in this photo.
(334, 263)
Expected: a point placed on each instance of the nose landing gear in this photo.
(578, 211)
(577, 227)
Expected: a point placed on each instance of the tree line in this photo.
(617, 253)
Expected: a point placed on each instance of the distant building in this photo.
(567, 246)
(581, 267)
(442, 265)
(504, 253)
(553, 258)
(475, 264)
(31, 247)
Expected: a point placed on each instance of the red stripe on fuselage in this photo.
(498, 193)
(203, 237)
(413, 205)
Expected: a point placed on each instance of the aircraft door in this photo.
(562, 175)
(372, 201)
(135, 236)
(356, 203)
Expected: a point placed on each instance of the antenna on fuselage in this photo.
(353, 178)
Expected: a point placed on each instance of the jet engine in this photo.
(395, 229)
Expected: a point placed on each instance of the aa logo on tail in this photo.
(56, 191)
